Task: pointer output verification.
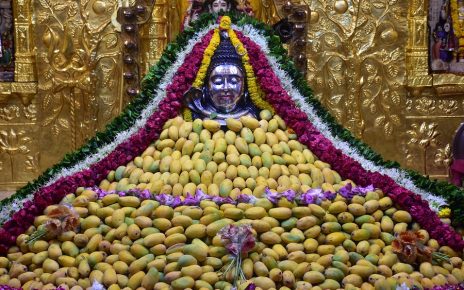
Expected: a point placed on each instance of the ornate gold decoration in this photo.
(267, 10)
(13, 142)
(9, 113)
(32, 163)
(423, 136)
(80, 58)
(78, 90)
(30, 112)
(355, 63)
(443, 157)
(164, 25)
(24, 86)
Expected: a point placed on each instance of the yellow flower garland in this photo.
(253, 87)
(205, 62)
(444, 213)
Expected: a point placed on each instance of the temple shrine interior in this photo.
(232, 144)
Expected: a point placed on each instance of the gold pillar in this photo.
(24, 45)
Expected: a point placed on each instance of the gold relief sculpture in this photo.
(448, 106)
(30, 112)
(32, 163)
(443, 158)
(13, 143)
(9, 113)
(267, 10)
(423, 136)
(154, 35)
(79, 89)
(24, 86)
(356, 65)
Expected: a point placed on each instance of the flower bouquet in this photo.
(63, 218)
(410, 249)
(238, 240)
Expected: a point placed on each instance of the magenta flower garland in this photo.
(284, 106)
(168, 108)
(344, 165)
(459, 286)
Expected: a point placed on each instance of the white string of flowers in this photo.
(398, 175)
(159, 94)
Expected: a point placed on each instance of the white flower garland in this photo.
(398, 175)
(160, 93)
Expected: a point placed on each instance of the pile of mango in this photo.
(250, 156)
(124, 242)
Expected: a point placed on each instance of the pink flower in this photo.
(238, 239)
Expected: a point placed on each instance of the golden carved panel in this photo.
(356, 66)
(368, 63)
(68, 80)
(80, 87)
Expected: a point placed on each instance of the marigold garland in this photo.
(444, 213)
(208, 54)
(253, 87)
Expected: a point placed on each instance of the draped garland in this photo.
(161, 99)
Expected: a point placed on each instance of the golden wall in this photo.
(367, 62)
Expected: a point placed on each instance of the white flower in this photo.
(403, 287)
(97, 286)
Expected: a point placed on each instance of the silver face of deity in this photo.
(218, 6)
(226, 85)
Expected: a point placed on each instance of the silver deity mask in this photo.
(226, 85)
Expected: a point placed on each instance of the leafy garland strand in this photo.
(132, 112)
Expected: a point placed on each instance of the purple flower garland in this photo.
(343, 164)
(284, 106)
(168, 108)
(312, 196)
(459, 286)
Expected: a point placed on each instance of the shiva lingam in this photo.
(224, 94)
